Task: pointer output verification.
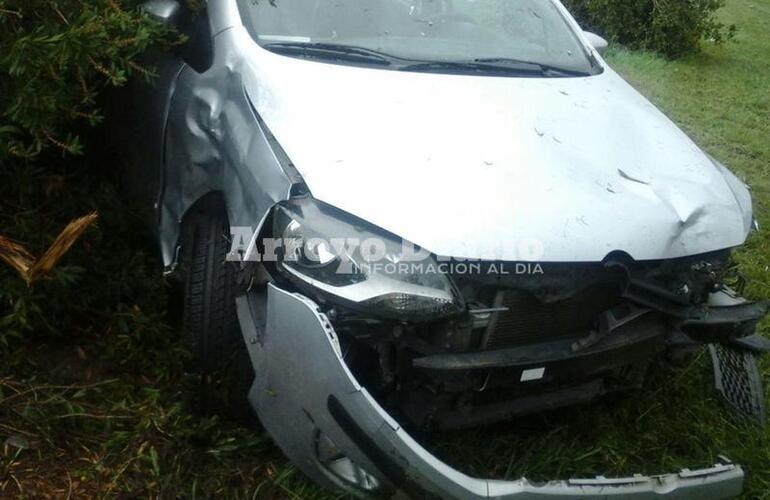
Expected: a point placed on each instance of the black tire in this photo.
(210, 323)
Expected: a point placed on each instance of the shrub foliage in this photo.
(56, 56)
(672, 27)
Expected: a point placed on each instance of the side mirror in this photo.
(597, 42)
(166, 12)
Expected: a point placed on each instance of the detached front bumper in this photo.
(336, 433)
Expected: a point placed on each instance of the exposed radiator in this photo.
(530, 321)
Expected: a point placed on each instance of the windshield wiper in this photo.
(496, 65)
(475, 66)
(356, 54)
(331, 51)
(546, 69)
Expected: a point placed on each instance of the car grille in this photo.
(530, 321)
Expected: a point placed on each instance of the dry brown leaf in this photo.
(24, 262)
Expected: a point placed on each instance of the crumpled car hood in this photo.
(500, 168)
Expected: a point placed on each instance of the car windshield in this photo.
(480, 35)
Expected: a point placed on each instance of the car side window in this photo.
(198, 51)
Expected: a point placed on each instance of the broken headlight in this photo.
(355, 263)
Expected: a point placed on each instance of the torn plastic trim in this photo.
(730, 321)
(754, 343)
(304, 389)
(724, 317)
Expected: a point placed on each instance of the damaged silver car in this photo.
(406, 215)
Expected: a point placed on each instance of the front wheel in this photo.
(210, 323)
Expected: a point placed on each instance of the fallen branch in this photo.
(31, 269)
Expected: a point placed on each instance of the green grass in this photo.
(96, 384)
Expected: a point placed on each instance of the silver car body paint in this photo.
(463, 166)
(220, 147)
(303, 391)
(162, 10)
(468, 166)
